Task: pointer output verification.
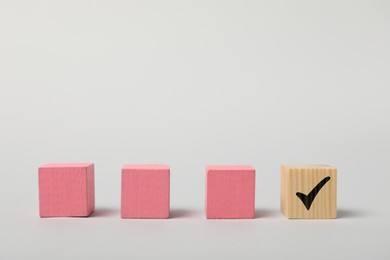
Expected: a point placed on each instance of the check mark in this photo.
(307, 200)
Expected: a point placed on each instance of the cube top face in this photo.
(146, 167)
(145, 191)
(230, 192)
(66, 165)
(308, 167)
(309, 191)
(66, 190)
(230, 168)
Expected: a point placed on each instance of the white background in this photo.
(191, 83)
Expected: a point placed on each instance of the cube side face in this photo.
(91, 188)
(230, 194)
(63, 192)
(145, 193)
(318, 192)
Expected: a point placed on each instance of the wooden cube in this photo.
(309, 191)
(66, 190)
(145, 191)
(230, 192)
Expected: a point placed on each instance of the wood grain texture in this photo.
(230, 192)
(305, 179)
(66, 190)
(145, 191)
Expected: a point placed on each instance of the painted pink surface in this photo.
(65, 165)
(146, 167)
(229, 167)
(230, 192)
(145, 191)
(66, 190)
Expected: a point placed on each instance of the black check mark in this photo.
(307, 200)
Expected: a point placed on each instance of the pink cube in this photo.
(145, 191)
(66, 190)
(230, 192)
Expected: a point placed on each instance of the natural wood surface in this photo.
(315, 185)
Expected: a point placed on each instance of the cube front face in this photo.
(230, 192)
(309, 191)
(66, 190)
(145, 191)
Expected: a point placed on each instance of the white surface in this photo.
(191, 83)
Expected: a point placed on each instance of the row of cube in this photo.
(68, 190)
